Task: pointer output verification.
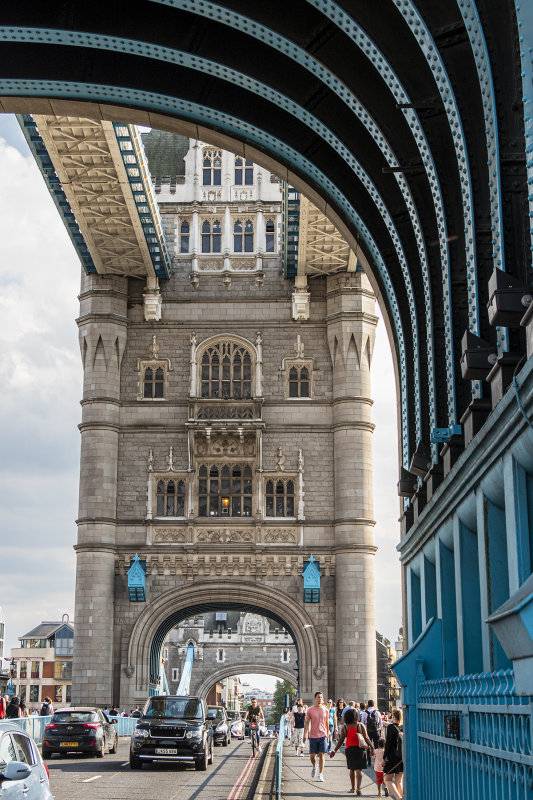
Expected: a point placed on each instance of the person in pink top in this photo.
(316, 730)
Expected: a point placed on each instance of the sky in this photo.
(41, 386)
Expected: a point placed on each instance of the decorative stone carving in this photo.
(225, 412)
(222, 444)
(318, 672)
(279, 535)
(210, 536)
(299, 347)
(300, 304)
(280, 461)
(211, 264)
(169, 535)
(130, 671)
(240, 536)
(253, 623)
(223, 535)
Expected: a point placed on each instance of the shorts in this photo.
(355, 757)
(298, 738)
(379, 778)
(394, 768)
(319, 745)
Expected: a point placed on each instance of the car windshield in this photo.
(74, 716)
(214, 713)
(173, 708)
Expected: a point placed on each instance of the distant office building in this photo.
(388, 690)
(44, 663)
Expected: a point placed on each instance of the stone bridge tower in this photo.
(226, 437)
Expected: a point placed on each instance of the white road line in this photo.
(94, 778)
(125, 764)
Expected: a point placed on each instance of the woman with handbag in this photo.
(357, 743)
(393, 756)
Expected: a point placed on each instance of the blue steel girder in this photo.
(326, 91)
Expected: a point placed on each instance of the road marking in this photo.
(94, 778)
(125, 764)
(241, 780)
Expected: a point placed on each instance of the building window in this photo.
(154, 382)
(226, 371)
(221, 657)
(270, 233)
(23, 669)
(35, 669)
(211, 236)
(244, 172)
(243, 236)
(299, 382)
(175, 674)
(165, 654)
(22, 692)
(34, 694)
(170, 498)
(279, 496)
(58, 694)
(212, 168)
(64, 642)
(225, 490)
(63, 670)
(68, 693)
(184, 236)
(311, 595)
(285, 656)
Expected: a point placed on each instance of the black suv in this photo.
(172, 729)
(81, 730)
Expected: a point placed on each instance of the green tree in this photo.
(282, 687)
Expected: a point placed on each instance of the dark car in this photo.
(218, 719)
(172, 729)
(82, 730)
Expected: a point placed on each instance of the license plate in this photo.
(69, 744)
(166, 751)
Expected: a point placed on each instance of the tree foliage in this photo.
(282, 687)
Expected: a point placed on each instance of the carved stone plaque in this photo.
(169, 535)
(225, 535)
(279, 535)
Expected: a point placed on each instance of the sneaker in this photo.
(320, 777)
(313, 772)
(386, 792)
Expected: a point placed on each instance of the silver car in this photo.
(22, 772)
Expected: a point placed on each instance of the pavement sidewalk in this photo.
(296, 780)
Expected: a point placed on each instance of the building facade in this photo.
(44, 663)
(226, 439)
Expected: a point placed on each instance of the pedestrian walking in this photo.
(373, 723)
(379, 753)
(357, 743)
(298, 721)
(340, 706)
(47, 708)
(23, 709)
(316, 728)
(332, 724)
(13, 708)
(393, 756)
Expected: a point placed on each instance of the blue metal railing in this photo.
(279, 756)
(185, 680)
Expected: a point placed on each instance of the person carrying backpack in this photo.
(373, 723)
(13, 709)
(47, 709)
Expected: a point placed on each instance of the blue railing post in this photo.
(279, 756)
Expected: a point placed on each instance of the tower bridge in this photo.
(407, 126)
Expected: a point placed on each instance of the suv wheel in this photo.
(212, 756)
(135, 763)
(201, 763)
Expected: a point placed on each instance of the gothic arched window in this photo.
(225, 490)
(170, 498)
(279, 498)
(243, 236)
(184, 236)
(270, 231)
(211, 236)
(226, 371)
(212, 167)
(244, 172)
(299, 382)
(154, 382)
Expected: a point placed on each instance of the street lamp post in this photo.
(12, 672)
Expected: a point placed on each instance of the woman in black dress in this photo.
(393, 756)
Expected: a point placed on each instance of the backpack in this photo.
(45, 710)
(372, 723)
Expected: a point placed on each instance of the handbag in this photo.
(361, 739)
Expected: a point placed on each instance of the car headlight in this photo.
(220, 727)
(196, 734)
(141, 733)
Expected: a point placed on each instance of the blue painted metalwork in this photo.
(135, 164)
(279, 756)
(193, 62)
(440, 435)
(238, 128)
(311, 576)
(137, 580)
(184, 685)
(40, 153)
(524, 14)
